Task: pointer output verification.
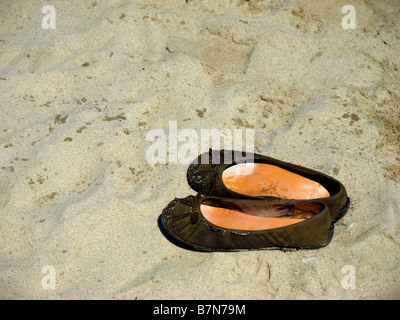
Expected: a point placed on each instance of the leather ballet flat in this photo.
(210, 223)
(233, 174)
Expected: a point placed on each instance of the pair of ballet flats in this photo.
(251, 202)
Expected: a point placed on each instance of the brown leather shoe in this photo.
(231, 174)
(223, 224)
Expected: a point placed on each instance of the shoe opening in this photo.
(256, 215)
(260, 179)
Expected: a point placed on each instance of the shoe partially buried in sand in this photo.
(223, 224)
(253, 176)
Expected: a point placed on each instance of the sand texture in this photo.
(76, 103)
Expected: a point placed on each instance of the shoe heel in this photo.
(342, 211)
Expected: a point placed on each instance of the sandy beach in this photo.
(79, 199)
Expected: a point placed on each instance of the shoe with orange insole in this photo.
(223, 224)
(232, 174)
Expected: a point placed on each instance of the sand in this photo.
(78, 194)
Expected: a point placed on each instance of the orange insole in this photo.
(260, 179)
(232, 219)
(242, 215)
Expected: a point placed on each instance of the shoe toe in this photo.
(179, 214)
